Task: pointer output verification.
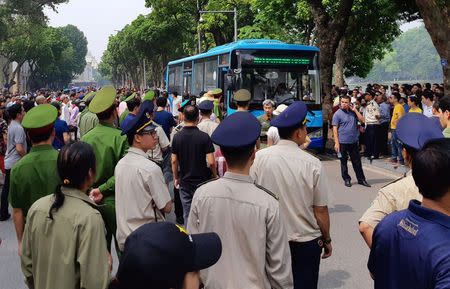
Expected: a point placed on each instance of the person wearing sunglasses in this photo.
(142, 195)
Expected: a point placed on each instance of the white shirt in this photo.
(372, 110)
(300, 181)
(163, 142)
(139, 184)
(175, 104)
(272, 133)
(65, 113)
(427, 110)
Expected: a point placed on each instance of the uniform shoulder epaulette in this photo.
(205, 182)
(267, 191)
(392, 182)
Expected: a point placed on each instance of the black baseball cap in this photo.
(158, 255)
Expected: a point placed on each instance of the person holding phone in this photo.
(345, 131)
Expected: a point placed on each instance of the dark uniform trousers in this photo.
(5, 191)
(371, 140)
(382, 138)
(352, 151)
(305, 263)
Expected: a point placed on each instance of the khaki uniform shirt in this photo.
(372, 110)
(208, 126)
(393, 197)
(139, 185)
(68, 251)
(301, 183)
(255, 250)
(163, 142)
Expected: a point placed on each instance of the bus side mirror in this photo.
(230, 81)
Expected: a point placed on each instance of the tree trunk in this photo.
(340, 62)
(329, 32)
(437, 23)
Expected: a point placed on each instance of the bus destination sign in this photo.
(281, 60)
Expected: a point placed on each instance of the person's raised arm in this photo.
(358, 114)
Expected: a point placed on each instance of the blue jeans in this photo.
(396, 148)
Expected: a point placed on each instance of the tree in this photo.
(436, 17)
(373, 25)
(329, 31)
(79, 45)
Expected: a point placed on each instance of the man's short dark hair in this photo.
(430, 169)
(238, 157)
(14, 110)
(444, 103)
(346, 97)
(397, 96)
(27, 105)
(205, 112)
(288, 132)
(39, 137)
(428, 85)
(190, 113)
(161, 102)
(242, 103)
(107, 113)
(428, 94)
(133, 103)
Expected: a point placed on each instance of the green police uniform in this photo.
(70, 251)
(88, 121)
(265, 124)
(34, 176)
(150, 95)
(124, 114)
(109, 147)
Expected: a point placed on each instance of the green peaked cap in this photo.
(103, 99)
(40, 116)
(130, 97)
(150, 95)
(216, 91)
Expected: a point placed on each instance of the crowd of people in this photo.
(86, 168)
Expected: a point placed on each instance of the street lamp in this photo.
(234, 11)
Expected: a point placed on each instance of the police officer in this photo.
(141, 193)
(413, 130)
(34, 176)
(245, 215)
(109, 147)
(206, 124)
(302, 184)
(88, 120)
(217, 110)
(242, 98)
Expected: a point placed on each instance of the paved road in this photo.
(346, 268)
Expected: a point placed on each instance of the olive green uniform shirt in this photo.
(88, 121)
(109, 147)
(33, 177)
(265, 124)
(68, 251)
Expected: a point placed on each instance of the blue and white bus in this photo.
(269, 69)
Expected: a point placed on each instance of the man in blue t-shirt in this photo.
(61, 130)
(164, 118)
(346, 134)
(411, 248)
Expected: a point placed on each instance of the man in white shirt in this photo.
(372, 116)
(301, 182)
(65, 109)
(427, 103)
(141, 193)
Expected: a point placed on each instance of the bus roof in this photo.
(247, 44)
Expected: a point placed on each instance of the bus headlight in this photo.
(316, 134)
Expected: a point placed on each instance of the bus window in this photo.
(199, 72)
(210, 74)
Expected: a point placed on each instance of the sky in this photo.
(98, 19)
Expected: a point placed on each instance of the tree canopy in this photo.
(413, 58)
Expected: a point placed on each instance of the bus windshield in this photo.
(282, 85)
